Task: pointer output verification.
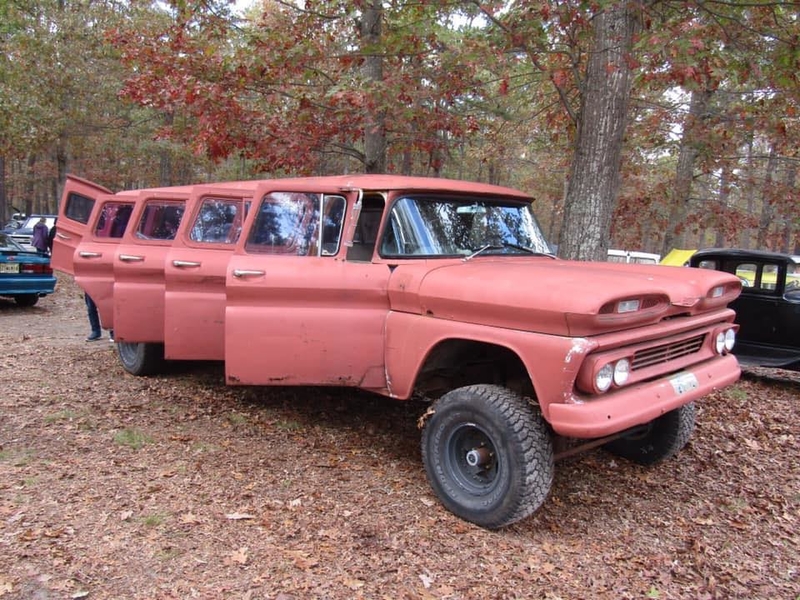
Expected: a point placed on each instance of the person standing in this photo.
(50, 237)
(40, 234)
(94, 319)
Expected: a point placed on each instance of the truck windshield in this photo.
(436, 226)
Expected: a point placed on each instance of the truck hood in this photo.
(551, 296)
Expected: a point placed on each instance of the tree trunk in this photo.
(680, 197)
(3, 209)
(767, 208)
(790, 208)
(29, 184)
(375, 122)
(165, 156)
(745, 236)
(594, 176)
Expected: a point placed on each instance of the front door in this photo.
(195, 270)
(298, 312)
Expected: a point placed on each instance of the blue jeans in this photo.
(94, 318)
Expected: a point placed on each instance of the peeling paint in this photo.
(578, 348)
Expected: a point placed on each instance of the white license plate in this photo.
(684, 382)
(9, 268)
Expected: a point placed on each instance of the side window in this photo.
(113, 219)
(160, 220)
(287, 223)
(746, 272)
(332, 222)
(707, 264)
(365, 234)
(758, 277)
(219, 221)
(78, 208)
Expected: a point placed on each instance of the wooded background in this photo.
(643, 125)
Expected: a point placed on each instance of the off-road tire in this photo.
(26, 299)
(141, 358)
(511, 439)
(663, 438)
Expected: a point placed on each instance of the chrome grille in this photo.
(661, 354)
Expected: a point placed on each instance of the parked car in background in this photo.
(23, 234)
(677, 258)
(768, 310)
(633, 256)
(25, 276)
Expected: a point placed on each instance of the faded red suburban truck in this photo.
(405, 286)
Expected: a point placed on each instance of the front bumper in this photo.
(641, 403)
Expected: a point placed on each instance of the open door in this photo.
(74, 214)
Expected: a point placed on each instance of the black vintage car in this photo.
(768, 310)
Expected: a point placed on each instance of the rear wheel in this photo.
(26, 299)
(488, 455)
(661, 439)
(141, 358)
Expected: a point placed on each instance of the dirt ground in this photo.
(174, 487)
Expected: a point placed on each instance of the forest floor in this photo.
(174, 487)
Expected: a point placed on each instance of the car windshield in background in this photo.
(430, 226)
(8, 244)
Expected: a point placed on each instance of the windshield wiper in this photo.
(504, 245)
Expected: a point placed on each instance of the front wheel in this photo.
(488, 455)
(661, 439)
(140, 358)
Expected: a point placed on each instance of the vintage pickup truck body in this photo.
(409, 286)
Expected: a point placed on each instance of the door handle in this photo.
(84, 254)
(245, 273)
(185, 263)
(130, 258)
(63, 236)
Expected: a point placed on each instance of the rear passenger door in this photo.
(297, 312)
(74, 213)
(139, 266)
(195, 275)
(94, 259)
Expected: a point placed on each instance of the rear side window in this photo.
(219, 221)
(160, 220)
(78, 208)
(113, 219)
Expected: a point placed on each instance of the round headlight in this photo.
(719, 342)
(602, 381)
(622, 371)
(730, 339)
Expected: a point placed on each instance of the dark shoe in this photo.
(94, 337)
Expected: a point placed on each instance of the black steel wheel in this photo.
(663, 437)
(140, 358)
(488, 455)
